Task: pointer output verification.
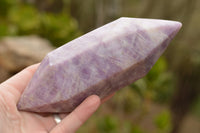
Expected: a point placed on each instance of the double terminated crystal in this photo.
(99, 62)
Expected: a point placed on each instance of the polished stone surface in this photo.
(99, 62)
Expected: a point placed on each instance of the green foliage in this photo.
(128, 127)
(136, 129)
(3, 29)
(158, 85)
(196, 108)
(126, 101)
(159, 67)
(5, 6)
(108, 124)
(23, 19)
(163, 122)
(61, 27)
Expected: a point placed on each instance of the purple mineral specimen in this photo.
(99, 62)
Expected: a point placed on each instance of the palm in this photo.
(35, 122)
(21, 121)
(15, 121)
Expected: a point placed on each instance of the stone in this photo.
(17, 53)
(99, 62)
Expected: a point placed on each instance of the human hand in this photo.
(15, 121)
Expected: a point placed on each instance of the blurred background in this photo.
(167, 100)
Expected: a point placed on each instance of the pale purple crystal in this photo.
(99, 62)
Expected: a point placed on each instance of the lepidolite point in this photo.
(99, 62)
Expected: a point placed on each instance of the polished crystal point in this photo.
(99, 62)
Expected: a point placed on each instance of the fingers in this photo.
(16, 84)
(76, 118)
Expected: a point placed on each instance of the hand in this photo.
(14, 121)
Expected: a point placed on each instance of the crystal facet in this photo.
(99, 62)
